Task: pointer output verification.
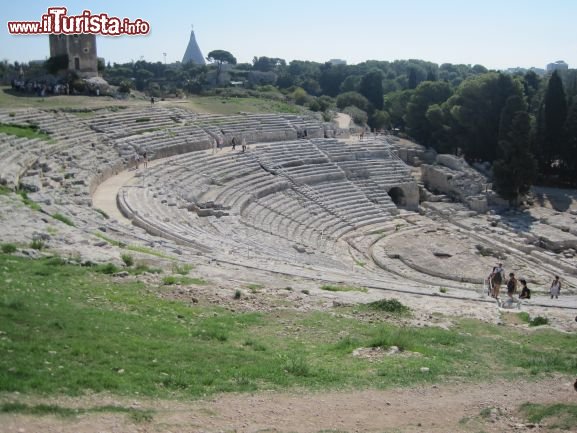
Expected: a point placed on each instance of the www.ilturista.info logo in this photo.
(56, 21)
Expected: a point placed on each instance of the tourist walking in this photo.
(496, 279)
(525, 291)
(233, 143)
(511, 285)
(243, 144)
(145, 159)
(136, 161)
(555, 288)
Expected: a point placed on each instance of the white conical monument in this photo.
(192, 53)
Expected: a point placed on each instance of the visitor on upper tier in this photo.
(525, 291)
(233, 143)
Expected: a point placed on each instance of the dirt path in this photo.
(104, 198)
(343, 120)
(447, 408)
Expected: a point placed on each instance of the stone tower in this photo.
(81, 52)
(192, 53)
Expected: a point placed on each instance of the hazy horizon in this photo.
(498, 36)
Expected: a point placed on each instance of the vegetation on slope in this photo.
(68, 330)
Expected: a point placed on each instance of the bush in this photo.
(8, 248)
(183, 269)
(538, 321)
(390, 306)
(359, 116)
(237, 294)
(107, 269)
(127, 259)
(125, 86)
(37, 244)
(31, 204)
(101, 212)
(300, 96)
(352, 99)
(63, 219)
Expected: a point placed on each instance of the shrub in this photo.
(37, 244)
(390, 306)
(63, 219)
(359, 116)
(300, 96)
(8, 248)
(297, 366)
(352, 99)
(107, 269)
(32, 205)
(127, 259)
(443, 289)
(101, 212)
(237, 294)
(169, 280)
(305, 292)
(333, 288)
(539, 321)
(388, 337)
(183, 269)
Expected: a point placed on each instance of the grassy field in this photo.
(67, 329)
(201, 104)
(23, 131)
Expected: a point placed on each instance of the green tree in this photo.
(220, 57)
(267, 64)
(475, 113)
(555, 115)
(513, 105)
(570, 153)
(515, 172)
(56, 63)
(352, 98)
(331, 78)
(412, 80)
(371, 87)
(396, 106)
(380, 119)
(531, 86)
(350, 84)
(426, 94)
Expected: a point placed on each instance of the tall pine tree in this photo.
(555, 115)
(515, 172)
(570, 148)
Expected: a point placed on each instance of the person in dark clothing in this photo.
(525, 291)
(233, 143)
(511, 285)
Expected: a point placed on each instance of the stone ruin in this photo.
(312, 206)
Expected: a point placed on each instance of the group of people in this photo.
(497, 277)
(242, 143)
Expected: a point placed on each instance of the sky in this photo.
(497, 34)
